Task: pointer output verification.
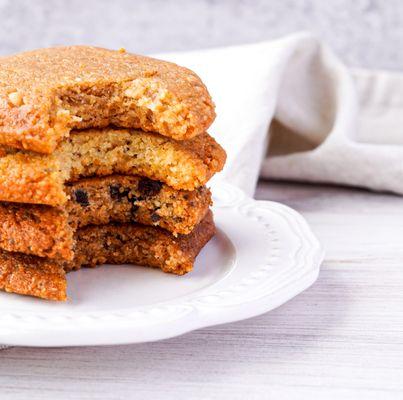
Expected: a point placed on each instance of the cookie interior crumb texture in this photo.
(104, 158)
(45, 93)
(113, 244)
(48, 232)
(142, 245)
(119, 198)
(28, 177)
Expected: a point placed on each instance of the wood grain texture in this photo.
(340, 339)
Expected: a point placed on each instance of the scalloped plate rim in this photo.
(195, 315)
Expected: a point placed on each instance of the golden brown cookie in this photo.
(113, 244)
(37, 230)
(32, 276)
(48, 232)
(140, 244)
(27, 177)
(119, 198)
(45, 93)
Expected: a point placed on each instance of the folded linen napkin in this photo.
(326, 123)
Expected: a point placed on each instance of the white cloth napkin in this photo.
(327, 124)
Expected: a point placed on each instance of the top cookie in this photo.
(45, 93)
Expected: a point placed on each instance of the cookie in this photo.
(27, 177)
(48, 232)
(38, 230)
(45, 93)
(32, 276)
(113, 244)
(118, 198)
(140, 244)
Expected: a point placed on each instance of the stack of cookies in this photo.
(104, 158)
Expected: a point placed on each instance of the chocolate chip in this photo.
(28, 215)
(134, 210)
(125, 193)
(148, 187)
(35, 218)
(117, 193)
(131, 198)
(81, 197)
(114, 191)
(155, 217)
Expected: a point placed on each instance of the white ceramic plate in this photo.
(263, 255)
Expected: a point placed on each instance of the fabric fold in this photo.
(321, 121)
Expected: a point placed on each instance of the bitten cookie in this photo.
(27, 177)
(113, 244)
(45, 93)
(119, 198)
(48, 232)
(140, 244)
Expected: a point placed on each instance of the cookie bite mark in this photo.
(113, 244)
(142, 245)
(48, 231)
(93, 87)
(120, 198)
(28, 177)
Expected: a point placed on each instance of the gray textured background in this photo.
(362, 32)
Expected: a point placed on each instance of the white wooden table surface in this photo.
(341, 339)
